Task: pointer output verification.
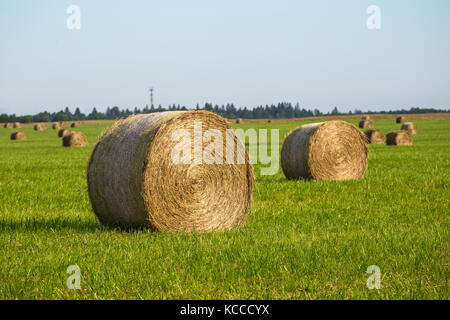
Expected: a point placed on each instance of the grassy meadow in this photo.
(302, 239)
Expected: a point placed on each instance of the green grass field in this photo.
(302, 239)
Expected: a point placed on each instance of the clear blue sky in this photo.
(319, 53)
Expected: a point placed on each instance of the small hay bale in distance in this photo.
(374, 136)
(238, 121)
(64, 132)
(333, 150)
(56, 126)
(410, 127)
(18, 135)
(8, 125)
(365, 124)
(74, 139)
(133, 180)
(398, 138)
(39, 127)
(365, 117)
(75, 125)
(17, 125)
(400, 119)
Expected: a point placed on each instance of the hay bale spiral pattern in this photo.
(334, 150)
(132, 179)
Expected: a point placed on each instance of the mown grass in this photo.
(302, 239)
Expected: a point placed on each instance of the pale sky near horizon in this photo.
(318, 53)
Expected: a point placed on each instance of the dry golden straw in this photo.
(410, 127)
(63, 132)
(75, 124)
(18, 135)
(133, 181)
(74, 139)
(400, 119)
(39, 127)
(17, 125)
(333, 150)
(398, 138)
(374, 136)
(365, 124)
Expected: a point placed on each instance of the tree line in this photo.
(280, 111)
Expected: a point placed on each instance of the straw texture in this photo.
(18, 135)
(333, 150)
(132, 179)
(74, 139)
(365, 124)
(398, 138)
(374, 136)
(64, 132)
(410, 127)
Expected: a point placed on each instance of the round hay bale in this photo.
(56, 126)
(333, 150)
(374, 136)
(8, 125)
(410, 127)
(239, 121)
(74, 139)
(64, 132)
(18, 135)
(365, 124)
(39, 127)
(75, 125)
(400, 119)
(269, 121)
(365, 117)
(133, 180)
(398, 138)
(17, 125)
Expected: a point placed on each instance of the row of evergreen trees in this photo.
(281, 110)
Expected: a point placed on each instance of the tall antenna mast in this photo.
(151, 96)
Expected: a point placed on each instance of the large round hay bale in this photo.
(74, 139)
(64, 132)
(374, 136)
(398, 138)
(39, 126)
(17, 125)
(365, 124)
(410, 127)
(134, 180)
(75, 124)
(365, 117)
(18, 135)
(400, 119)
(56, 126)
(333, 150)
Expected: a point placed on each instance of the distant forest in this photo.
(281, 110)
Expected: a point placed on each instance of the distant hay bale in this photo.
(64, 132)
(374, 136)
(134, 181)
(398, 138)
(410, 127)
(18, 135)
(365, 124)
(269, 121)
(239, 121)
(400, 119)
(75, 124)
(56, 126)
(39, 126)
(74, 139)
(17, 125)
(333, 150)
(8, 125)
(365, 117)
